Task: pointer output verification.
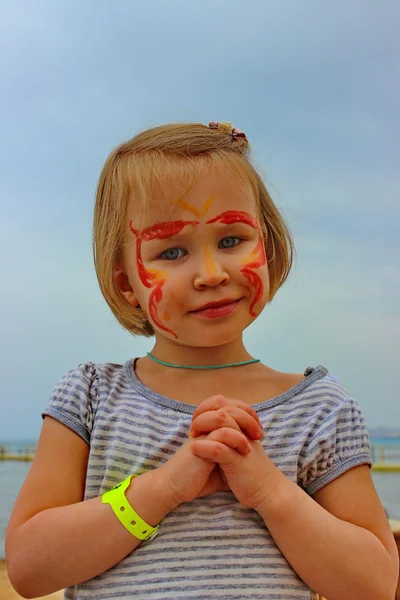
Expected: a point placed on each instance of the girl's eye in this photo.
(173, 253)
(229, 242)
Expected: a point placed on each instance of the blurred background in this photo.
(316, 88)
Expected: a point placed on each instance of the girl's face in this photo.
(197, 265)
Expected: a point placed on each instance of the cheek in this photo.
(263, 272)
(142, 292)
(257, 282)
(174, 294)
(264, 292)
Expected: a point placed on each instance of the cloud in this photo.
(316, 89)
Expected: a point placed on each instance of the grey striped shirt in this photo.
(211, 547)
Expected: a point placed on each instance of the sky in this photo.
(316, 88)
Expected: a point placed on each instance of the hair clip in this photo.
(226, 127)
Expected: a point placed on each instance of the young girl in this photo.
(247, 482)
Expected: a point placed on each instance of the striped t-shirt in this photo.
(212, 547)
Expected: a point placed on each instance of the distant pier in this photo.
(8, 453)
(386, 467)
(386, 459)
(22, 457)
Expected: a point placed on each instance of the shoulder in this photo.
(325, 389)
(83, 384)
(78, 394)
(317, 386)
(335, 418)
(327, 410)
(90, 372)
(335, 438)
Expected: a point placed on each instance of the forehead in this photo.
(210, 194)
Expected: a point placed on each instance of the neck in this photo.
(233, 352)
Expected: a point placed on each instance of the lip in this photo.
(213, 310)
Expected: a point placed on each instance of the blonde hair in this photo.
(170, 154)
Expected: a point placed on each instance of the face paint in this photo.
(235, 216)
(193, 209)
(209, 262)
(150, 277)
(256, 259)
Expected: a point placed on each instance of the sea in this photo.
(12, 475)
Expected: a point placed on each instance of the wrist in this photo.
(148, 498)
(277, 499)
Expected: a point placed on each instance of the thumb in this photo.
(223, 477)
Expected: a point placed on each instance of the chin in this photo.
(211, 337)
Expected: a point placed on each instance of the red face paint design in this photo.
(257, 257)
(235, 216)
(156, 279)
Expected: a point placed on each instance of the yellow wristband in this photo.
(126, 515)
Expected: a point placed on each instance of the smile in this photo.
(214, 310)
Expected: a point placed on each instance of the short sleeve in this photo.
(339, 443)
(74, 400)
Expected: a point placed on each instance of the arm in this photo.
(339, 542)
(396, 535)
(54, 538)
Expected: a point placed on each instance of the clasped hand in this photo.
(218, 430)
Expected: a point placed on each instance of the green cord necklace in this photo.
(201, 367)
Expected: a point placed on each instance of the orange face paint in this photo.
(152, 278)
(156, 279)
(193, 209)
(256, 259)
(209, 262)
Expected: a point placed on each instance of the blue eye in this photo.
(229, 242)
(173, 253)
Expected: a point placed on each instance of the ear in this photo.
(122, 283)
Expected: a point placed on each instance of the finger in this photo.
(212, 403)
(218, 401)
(235, 440)
(215, 483)
(214, 451)
(228, 416)
(212, 420)
(223, 476)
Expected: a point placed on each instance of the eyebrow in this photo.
(162, 231)
(235, 216)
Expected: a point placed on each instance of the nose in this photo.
(211, 272)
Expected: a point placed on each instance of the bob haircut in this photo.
(174, 156)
